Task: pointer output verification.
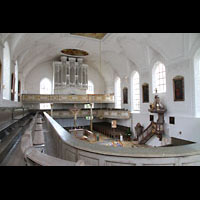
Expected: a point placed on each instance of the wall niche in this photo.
(125, 95)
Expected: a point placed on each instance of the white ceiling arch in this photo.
(32, 49)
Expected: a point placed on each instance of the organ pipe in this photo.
(70, 72)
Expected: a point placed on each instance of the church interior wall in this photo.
(3, 102)
(32, 80)
(182, 111)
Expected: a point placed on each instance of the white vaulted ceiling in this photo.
(118, 49)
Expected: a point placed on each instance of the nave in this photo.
(99, 99)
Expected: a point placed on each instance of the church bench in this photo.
(38, 138)
(7, 125)
(38, 127)
(12, 122)
(25, 122)
(106, 129)
(32, 146)
(35, 157)
(27, 138)
(26, 142)
(7, 142)
(39, 121)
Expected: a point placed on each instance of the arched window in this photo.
(45, 88)
(118, 93)
(16, 81)
(197, 82)
(135, 92)
(90, 89)
(6, 72)
(159, 78)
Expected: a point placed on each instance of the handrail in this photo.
(33, 155)
(42, 159)
(145, 133)
(102, 155)
(146, 128)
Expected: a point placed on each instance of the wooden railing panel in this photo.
(38, 98)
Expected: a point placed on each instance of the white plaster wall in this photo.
(187, 125)
(177, 62)
(98, 81)
(7, 103)
(32, 80)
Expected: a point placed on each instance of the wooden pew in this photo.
(38, 138)
(38, 127)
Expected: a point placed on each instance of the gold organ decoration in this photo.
(64, 98)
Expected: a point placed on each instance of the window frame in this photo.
(90, 85)
(45, 106)
(118, 93)
(6, 81)
(159, 78)
(135, 109)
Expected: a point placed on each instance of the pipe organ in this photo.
(70, 75)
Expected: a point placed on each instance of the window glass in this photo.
(6, 72)
(159, 78)
(45, 88)
(118, 93)
(136, 91)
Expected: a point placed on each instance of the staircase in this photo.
(146, 135)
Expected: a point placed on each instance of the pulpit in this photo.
(158, 108)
